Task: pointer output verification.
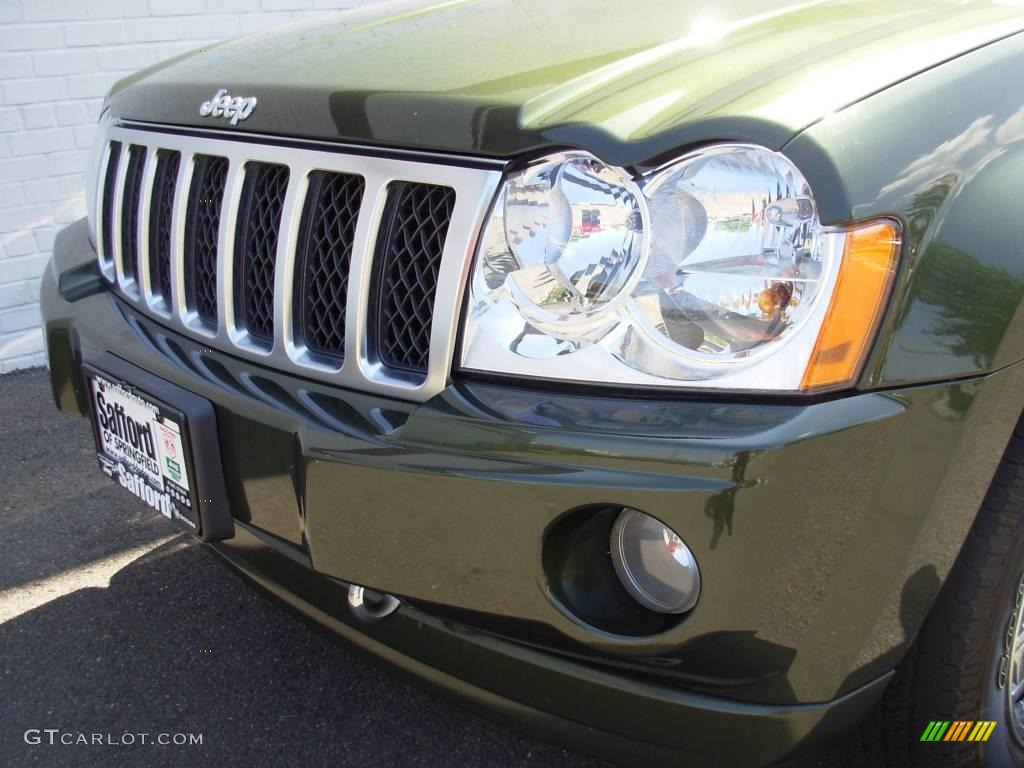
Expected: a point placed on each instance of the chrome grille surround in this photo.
(475, 183)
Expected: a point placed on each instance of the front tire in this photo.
(961, 666)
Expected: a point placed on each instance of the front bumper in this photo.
(823, 530)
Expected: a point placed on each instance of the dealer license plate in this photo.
(142, 446)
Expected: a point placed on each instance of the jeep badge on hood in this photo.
(223, 104)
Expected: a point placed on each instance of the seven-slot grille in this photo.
(347, 268)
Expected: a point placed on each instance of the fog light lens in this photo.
(654, 565)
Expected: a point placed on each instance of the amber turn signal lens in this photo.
(865, 277)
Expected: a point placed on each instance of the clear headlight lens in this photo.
(735, 262)
(713, 272)
(574, 232)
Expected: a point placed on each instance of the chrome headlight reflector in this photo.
(714, 272)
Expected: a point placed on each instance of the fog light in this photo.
(654, 565)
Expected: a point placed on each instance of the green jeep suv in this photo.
(646, 374)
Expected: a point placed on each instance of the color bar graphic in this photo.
(958, 730)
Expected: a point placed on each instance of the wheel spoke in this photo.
(1017, 691)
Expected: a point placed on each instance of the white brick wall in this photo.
(57, 60)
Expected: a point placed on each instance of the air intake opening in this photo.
(202, 233)
(130, 211)
(161, 210)
(109, 190)
(412, 237)
(323, 259)
(256, 236)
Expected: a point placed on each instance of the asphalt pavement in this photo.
(117, 632)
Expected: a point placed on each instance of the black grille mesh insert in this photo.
(161, 209)
(323, 257)
(259, 222)
(130, 211)
(109, 184)
(202, 228)
(408, 258)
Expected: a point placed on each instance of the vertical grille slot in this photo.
(130, 211)
(161, 210)
(107, 214)
(323, 257)
(408, 259)
(202, 230)
(258, 227)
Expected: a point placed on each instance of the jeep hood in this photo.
(628, 81)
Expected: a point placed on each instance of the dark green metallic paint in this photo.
(633, 722)
(943, 151)
(502, 77)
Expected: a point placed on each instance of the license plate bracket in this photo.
(159, 442)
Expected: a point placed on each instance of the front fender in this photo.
(944, 152)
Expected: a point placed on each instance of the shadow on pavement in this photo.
(178, 643)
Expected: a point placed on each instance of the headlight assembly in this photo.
(714, 272)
